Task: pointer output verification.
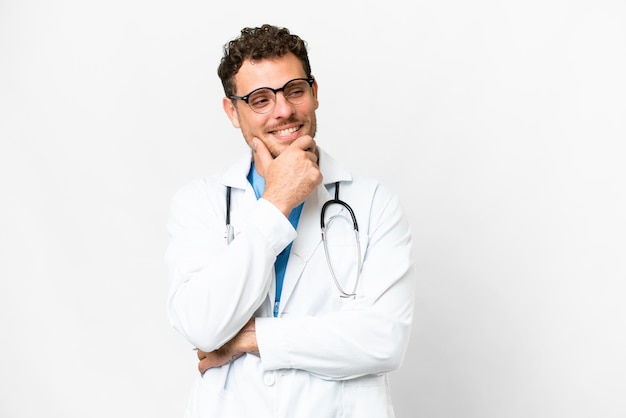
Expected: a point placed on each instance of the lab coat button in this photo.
(269, 378)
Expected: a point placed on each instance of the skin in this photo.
(285, 155)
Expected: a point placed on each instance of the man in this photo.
(287, 324)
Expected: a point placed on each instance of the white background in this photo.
(500, 124)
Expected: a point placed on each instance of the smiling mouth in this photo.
(285, 132)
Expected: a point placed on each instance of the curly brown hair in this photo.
(259, 43)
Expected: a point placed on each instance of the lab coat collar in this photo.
(331, 169)
(237, 175)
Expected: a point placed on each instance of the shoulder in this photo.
(196, 200)
(207, 187)
(198, 188)
(366, 186)
(371, 195)
(365, 191)
(350, 181)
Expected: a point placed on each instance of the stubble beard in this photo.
(276, 149)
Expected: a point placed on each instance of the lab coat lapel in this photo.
(308, 239)
(309, 229)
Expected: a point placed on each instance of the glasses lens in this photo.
(297, 91)
(262, 100)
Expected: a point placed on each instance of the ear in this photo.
(314, 87)
(231, 111)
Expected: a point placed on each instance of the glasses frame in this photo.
(246, 98)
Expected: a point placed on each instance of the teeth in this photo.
(284, 132)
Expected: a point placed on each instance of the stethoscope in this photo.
(324, 226)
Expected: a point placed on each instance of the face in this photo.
(285, 122)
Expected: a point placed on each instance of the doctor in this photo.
(287, 324)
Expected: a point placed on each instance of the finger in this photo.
(201, 354)
(313, 155)
(207, 363)
(202, 367)
(262, 156)
(306, 143)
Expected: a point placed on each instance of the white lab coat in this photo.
(324, 356)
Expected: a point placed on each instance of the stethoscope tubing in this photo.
(336, 201)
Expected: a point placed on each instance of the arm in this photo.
(242, 343)
(214, 287)
(367, 335)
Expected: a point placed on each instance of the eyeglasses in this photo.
(262, 100)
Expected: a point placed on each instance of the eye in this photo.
(260, 99)
(295, 92)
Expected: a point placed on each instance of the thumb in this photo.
(262, 156)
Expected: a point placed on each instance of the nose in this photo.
(282, 107)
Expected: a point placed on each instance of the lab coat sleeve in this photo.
(214, 287)
(371, 333)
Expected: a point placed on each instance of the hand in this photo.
(290, 177)
(243, 342)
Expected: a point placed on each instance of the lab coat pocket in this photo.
(366, 397)
(210, 396)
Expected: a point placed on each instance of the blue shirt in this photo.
(280, 265)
